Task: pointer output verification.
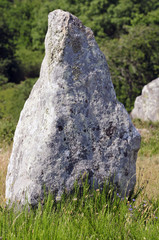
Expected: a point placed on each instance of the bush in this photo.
(133, 61)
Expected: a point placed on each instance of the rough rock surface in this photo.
(147, 105)
(72, 123)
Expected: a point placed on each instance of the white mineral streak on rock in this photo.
(147, 105)
(72, 123)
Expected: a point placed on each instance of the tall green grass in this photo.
(95, 215)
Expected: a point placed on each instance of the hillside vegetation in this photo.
(126, 30)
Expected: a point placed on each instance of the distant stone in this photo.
(72, 124)
(147, 105)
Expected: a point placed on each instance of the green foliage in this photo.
(9, 69)
(133, 61)
(7, 128)
(94, 215)
(126, 30)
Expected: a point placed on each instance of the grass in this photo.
(148, 175)
(147, 165)
(4, 158)
(150, 138)
(95, 216)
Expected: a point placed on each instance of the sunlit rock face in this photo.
(147, 105)
(72, 124)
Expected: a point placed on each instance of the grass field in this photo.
(95, 216)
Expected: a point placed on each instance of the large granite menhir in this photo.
(72, 123)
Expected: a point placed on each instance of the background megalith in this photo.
(146, 106)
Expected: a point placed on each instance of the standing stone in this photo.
(72, 123)
(147, 105)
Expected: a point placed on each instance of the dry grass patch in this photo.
(147, 170)
(4, 159)
(147, 165)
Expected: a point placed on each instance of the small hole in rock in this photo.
(93, 149)
(60, 128)
(125, 154)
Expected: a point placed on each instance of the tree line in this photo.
(127, 31)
